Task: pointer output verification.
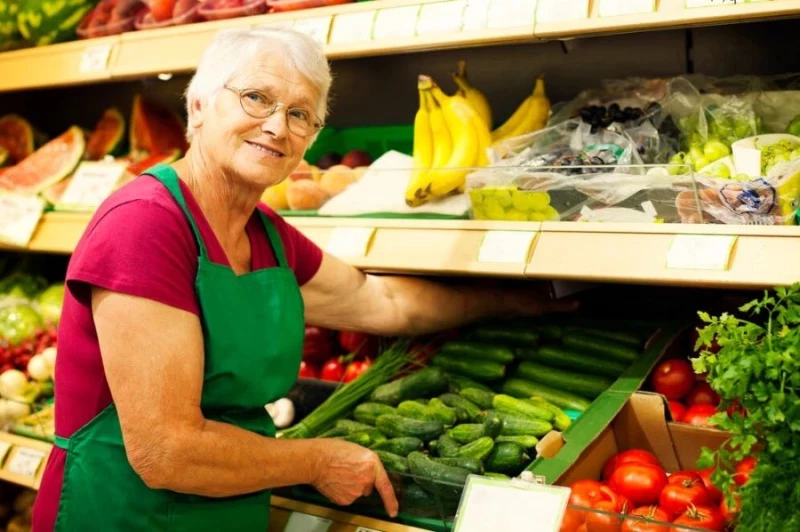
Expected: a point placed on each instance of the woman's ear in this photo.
(195, 110)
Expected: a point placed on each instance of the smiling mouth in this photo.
(264, 149)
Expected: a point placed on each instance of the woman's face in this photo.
(261, 151)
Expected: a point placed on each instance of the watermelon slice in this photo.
(107, 137)
(155, 129)
(16, 136)
(48, 165)
(138, 167)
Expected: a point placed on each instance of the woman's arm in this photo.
(342, 297)
(153, 359)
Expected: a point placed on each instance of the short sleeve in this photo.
(140, 248)
(303, 255)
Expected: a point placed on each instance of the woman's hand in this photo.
(348, 471)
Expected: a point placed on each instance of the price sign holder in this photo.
(715, 3)
(19, 216)
(396, 23)
(352, 27)
(92, 183)
(300, 522)
(561, 10)
(25, 462)
(317, 28)
(614, 8)
(95, 58)
(701, 252)
(441, 17)
(350, 242)
(511, 13)
(507, 247)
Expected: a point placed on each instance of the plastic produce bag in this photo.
(777, 109)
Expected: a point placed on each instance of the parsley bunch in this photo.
(756, 372)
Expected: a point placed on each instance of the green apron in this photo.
(253, 335)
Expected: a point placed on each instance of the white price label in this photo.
(350, 242)
(316, 27)
(365, 529)
(4, 448)
(700, 252)
(19, 216)
(561, 10)
(25, 462)
(92, 183)
(613, 8)
(714, 3)
(396, 23)
(476, 13)
(95, 58)
(510, 247)
(441, 17)
(299, 522)
(511, 13)
(352, 27)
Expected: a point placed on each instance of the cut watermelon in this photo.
(107, 137)
(16, 135)
(155, 129)
(138, 167)
(48, 165)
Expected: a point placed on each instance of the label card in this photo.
(92, 183)
(476, 14)
(365, 529)
(396, 23)
(561, 10)
(299, 522)
(511, 14)
(700, 252)
(509, 247)
(441, 17)
(350, 242)
(315, 27)
(613, 8)
(19, 216)
(509, 505)
(712, 3)
(26, 462)
(352, 27)
(4, 448)
(95, 58)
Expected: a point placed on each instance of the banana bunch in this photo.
(531, 115)
(450, 137)
(475, 97)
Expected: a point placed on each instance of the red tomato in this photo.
(582, 528)
(743, 470)
(653, 517)
(683, 493)
(729, 514)
(585, 493)
(161, 9)
(680, 477)
(734, 408)
(698, 415)
(308, 371)
(333, 370)
(356, 368)
(673, 378)
(702, 394)
(607, 521)
(713, 491)
(700, 517)
(362, 344)
(641, 483)
(317, 344)
(677, 410)
(632, 456)
(572, 520)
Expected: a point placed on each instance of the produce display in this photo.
(16, 506)
(337, 356)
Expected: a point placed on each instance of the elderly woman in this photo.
(185, 314)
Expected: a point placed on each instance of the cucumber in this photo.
(506, 404)
(589, 386)
(526, 441)
(412, 409)
(473, 465)
(440, 411)
(482, 370)
(437, 479)
(350, 426)
(599, 346)
(492, 425)
(396, 426)
(466, 432)
(416, 501)
(367, 413)
(505, 334)
(469, 409)
(446, 447)
(482, 398)
(334, 432)
(515, 425)
(359, 438)
(478, 449)
(478, 351)
(549, 331)
(508, 458)
(565, 358)
(393, 463)
(399, 446)
(425, 382)
(622, 337)
(492, 474)
(459, 382)
(561, 420)
(523, 388)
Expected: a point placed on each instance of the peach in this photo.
(305, 195)
(359, 171)
(336, 179)
(275, 196)
(303, 171)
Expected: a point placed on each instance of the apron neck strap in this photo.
(274, 240)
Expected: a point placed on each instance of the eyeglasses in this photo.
(255, 103)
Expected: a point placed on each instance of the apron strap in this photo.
(274, 240)
(62, 443)
(169, 178)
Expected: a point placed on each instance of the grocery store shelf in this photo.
(282, 508)
(22, 459)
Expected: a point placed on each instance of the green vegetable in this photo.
(350, 426)
(492, 425)
(623, 337)
(459, 382)
(50, 300)
(472, 464)
(505, 404)
(412, 409)
(392, 462)
(413, 499)
(440, 411)
(466, 432)
(476, 369)
(478, 449)
(478, 351)
(508, 458)
(468, 409)
(19, 322)
(425, 382)
(333, 432)
(526, 441)
(437, 479)
(521, 426)
(589, 386)
(400, 446)
(500, 476)
(505, 334)
(565, 358)
(368, 412)
(523, 388)
(359, 438)
(396, 426)
(601, 347)
(561, 421)
(446, 446)
(481, 398)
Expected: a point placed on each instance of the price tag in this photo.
(92, 183)
(349, 242)
(561, 10)
(511, 13)
(492, 504)
(25, 462)
(700, 252)
(713, 3)
(95, 58)
(352, 27)
(299, 522)
(510, 247)
(441, 17)
(396, 23)
(19, 216)
(316, 27)
(4, 448)
(476, 14)
(365, 529)
(613, 8)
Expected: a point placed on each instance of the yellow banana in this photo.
(538, 112)
(442, 141)
(417, 189)
(459, 117)
(474, 96)
(513, 121)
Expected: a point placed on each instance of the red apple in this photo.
(355, 158)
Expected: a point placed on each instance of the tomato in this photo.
(333, 370)
(700, 517)
(743, 470)
(713, 491)
(632, 456)
(362, 344)
(698, 415)
(317, 344)
(641, 483)
(676, 410)
(702, 394)
(729, 514)
(673, 378)
(572, 520)
(682, 476)
(653, 517)
(607, 521)
(161, 9)
(308, 371)
(582, 528)
(356, 368)
(585, 493)
(734, 408)
(681, 493)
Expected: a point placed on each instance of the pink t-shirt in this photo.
(139, 242)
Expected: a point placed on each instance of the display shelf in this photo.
(283, 508)
(23, 459)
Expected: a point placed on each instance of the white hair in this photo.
(232, 51)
